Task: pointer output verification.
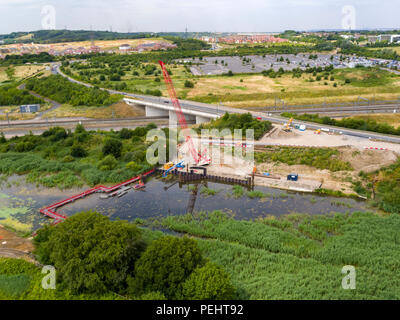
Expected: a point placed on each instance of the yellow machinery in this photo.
(318, 131)
(168, 165)
(287, 125)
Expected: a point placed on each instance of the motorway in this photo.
(219, 109)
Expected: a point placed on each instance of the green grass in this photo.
(208, 191)
(320, 158)
(301, 256)
(237, 191)
(256, 194)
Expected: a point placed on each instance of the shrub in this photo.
(78, 152)
(125, 133)
(68, 159)
(189, 84)
(210, 282)
(133, 166)
(113, 147)
(108, 163)
(165, 265)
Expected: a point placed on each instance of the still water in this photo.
(20, 202)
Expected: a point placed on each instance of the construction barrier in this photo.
(375, 148)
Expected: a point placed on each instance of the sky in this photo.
(197, 15)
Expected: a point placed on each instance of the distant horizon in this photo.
(158, 16)
(211, 32)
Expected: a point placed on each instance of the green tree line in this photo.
(61, 90)
(9, 96)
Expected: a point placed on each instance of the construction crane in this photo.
(197, 156)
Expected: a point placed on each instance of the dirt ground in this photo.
(311, 178)
(9, 240)
(309, 138)
(351, 150)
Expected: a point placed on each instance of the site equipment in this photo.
(287, 125)
(293, 177)
(175, 166)
(197, 156)
(168, 165)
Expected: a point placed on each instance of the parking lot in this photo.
(257, 64)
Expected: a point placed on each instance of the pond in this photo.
(20, 202)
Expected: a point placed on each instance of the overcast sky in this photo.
(197, 15)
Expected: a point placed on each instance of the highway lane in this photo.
(219, 109)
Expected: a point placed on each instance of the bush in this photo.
(125, 133)
(189, 84)
(113, 147)
(108, 163)
(133, 166)
(210, 282)
(78, 152)
(165, 265)
(68, 159)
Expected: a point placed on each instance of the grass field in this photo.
(117, 110)
(17, 73)
(396, 49)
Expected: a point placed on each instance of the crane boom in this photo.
(178, 110)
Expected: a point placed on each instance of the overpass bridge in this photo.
(164, 108)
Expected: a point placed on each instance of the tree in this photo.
(108, 163)
(112, 146)
(189, 84)
(78, 152)
(125, 133)
(165, 265)
(2, 138)
(210, 282)
(90, 252)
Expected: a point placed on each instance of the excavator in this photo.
(287, 126)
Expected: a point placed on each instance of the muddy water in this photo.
(20, 202)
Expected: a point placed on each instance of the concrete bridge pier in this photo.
(173, 119)
(200, 119)
(153, 112)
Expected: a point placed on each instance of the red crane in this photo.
(178, 110)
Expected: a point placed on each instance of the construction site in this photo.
(290, 156)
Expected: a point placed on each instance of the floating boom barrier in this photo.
(50, 211)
